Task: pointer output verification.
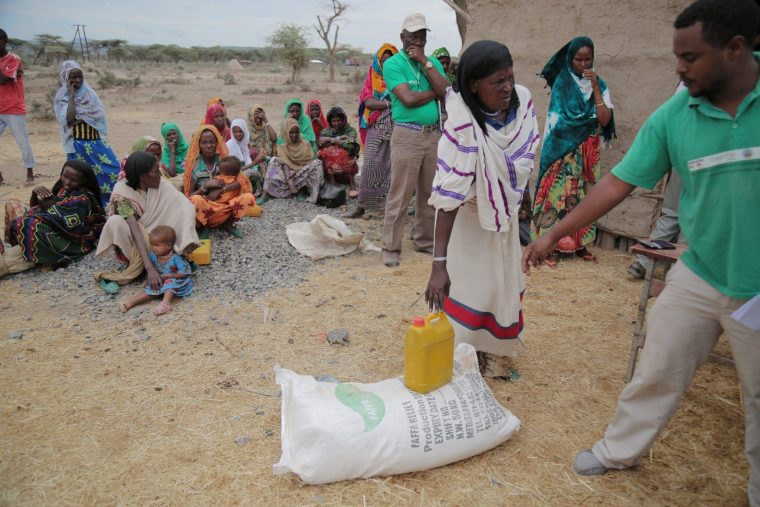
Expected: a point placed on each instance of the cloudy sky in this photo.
(229, 23)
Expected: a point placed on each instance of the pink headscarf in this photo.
(209, 120)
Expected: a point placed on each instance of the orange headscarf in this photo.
(374, 86)
(195, 150)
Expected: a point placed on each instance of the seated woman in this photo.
(148, 144)
(317, 116)
(339, 149)
(64, 223)
(140, 202)
(294, 169)
(82, 118)
(175, 150)
(262, 141)
(294, 109)
(220, 195)
(238, 147)
(217, 116)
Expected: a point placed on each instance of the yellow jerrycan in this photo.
(202, 254)
(429, 353)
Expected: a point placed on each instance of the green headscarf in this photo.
(441, 52)
(180, 151)
(444, 53)
(304, 125)
(572, 116)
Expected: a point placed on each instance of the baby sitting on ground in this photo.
(174, 270)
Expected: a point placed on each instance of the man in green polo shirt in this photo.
(711, 136)
(416, 83)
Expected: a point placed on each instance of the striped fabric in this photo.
(492, 168)
(85, 132)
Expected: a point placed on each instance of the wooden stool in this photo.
(652, 287)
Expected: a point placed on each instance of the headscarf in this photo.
(259, 134)
(138, 146)
(209, 120)
(304, 124)
(318, 123)
(180, 151)
(143, 143)
(87, 106)
(237, 148)
(441, 52)
(572, 112)
(295, 155)
(374, 86)
(444, 53)
(194, 152)
(214, 100)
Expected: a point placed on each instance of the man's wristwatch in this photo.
(428, 65)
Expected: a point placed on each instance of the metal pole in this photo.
(86, 44)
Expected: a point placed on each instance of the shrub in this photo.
(162, 98)
(109, 80)
(229, 79)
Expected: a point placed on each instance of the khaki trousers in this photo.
(414, 157)
(684, 325)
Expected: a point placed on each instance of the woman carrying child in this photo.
(214, 184)
(173, 268)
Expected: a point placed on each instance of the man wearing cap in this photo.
(416, 83)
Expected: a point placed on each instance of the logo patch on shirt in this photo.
(725, 157)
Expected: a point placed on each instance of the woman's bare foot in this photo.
(123, 307)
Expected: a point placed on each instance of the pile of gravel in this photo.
(242, 268)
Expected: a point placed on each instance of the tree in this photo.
(290, 41)
(52, 46)
(325, 27)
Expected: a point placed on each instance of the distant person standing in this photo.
(13, 105)
(416, 83)
(84, 130)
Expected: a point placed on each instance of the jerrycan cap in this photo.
(418, 322)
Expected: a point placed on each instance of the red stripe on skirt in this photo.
(475, 320)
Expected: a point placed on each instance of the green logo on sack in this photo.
(368, 405)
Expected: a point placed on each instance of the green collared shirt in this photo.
(718, 158)
(399, 69)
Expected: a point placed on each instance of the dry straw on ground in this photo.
(120, 420)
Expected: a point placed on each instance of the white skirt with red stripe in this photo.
(487, 284)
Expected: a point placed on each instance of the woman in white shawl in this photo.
(237, 147)
(84, 131)
(485, 158)
(140, 202)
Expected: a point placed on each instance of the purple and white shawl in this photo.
(493, 169)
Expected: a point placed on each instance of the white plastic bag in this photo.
(333, 432)
(324, 236)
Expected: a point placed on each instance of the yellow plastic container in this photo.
(429, 353)
(254, 211)
(202, 254)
